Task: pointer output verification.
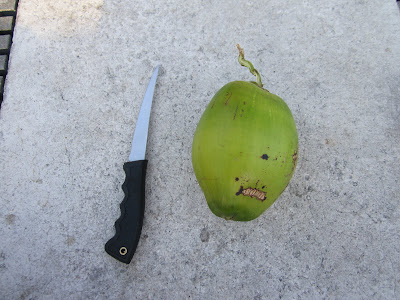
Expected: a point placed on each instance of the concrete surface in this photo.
(76, 79)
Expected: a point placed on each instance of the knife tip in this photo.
(156, 69)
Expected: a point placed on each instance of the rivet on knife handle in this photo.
(129, 225)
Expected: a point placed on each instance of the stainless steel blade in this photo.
(139, 142)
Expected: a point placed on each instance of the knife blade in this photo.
(128, 227)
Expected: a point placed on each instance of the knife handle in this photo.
(129, 225)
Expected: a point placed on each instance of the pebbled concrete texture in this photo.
(77, 75)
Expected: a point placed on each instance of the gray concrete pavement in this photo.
(77, 75)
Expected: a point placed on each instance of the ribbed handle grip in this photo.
(129, 225)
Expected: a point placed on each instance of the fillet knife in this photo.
(129, 225)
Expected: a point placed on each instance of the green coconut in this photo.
(245, 149)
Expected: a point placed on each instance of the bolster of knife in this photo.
(129, 225)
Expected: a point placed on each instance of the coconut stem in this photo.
(249, 65)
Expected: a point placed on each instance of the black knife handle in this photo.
(129, 225)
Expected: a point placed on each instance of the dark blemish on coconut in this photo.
(294, 156)
(264, 156)
(240, 191)
(234, 116)
(228, 96)
(237, 179)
